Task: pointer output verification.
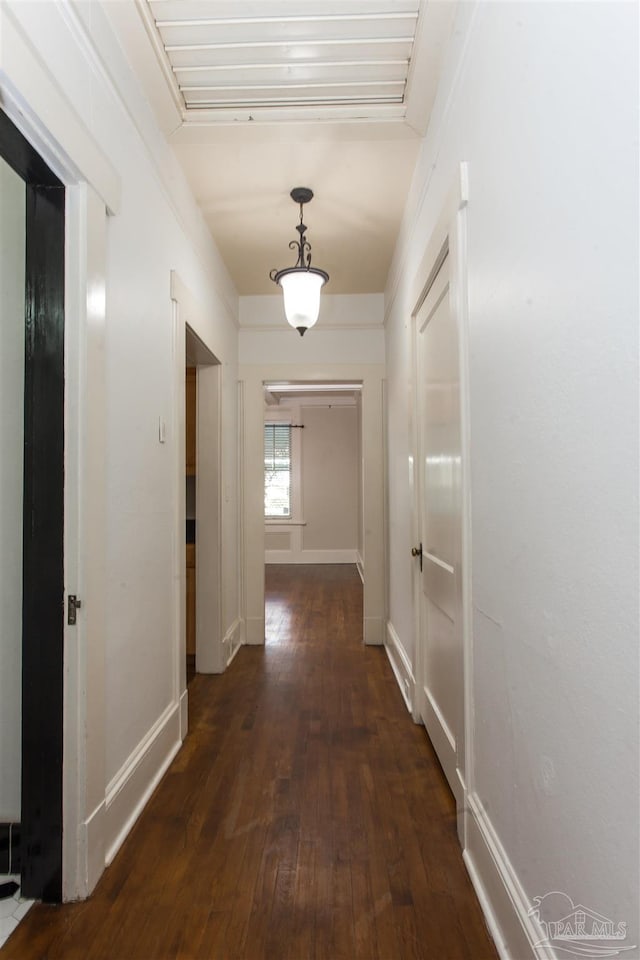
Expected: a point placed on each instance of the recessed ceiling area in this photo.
(273, 56)
(241, 60)
(259, 96)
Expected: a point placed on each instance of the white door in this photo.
(439, 489)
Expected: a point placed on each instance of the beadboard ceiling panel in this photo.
(331, 55)
(254, 56)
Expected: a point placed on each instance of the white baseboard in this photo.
(310, 556)
(401, 666)
(232, 641)
(499, 890)
(184, 714)
(360, 566)
(91, 852)
(254, 631)
(131, 788)
(373, 631)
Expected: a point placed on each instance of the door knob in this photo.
(417, 552)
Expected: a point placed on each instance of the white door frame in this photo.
(209, 653)
(251, 407)
(449, 235)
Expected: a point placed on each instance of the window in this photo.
(277, 470)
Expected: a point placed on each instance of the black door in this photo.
(43, 520)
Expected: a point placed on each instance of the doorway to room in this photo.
(252, 380)
(202, 521)
(313, 500)
(191, 406)
(32, 409)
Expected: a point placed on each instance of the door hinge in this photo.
(73, 605)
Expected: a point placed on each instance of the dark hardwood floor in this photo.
(305, 818)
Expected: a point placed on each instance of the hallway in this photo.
(305, 817)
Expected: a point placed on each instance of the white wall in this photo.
(144, 243)
(350, 329)
(329, 477)
(82, 89)
(12, 266)
(541, 100)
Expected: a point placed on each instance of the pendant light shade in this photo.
(301, 289)
(302, 283)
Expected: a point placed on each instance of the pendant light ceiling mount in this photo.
(301, 195)
(301, 284)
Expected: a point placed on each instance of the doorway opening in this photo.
(253, 379)
(313, 476)
(202, 521)
(32, 407)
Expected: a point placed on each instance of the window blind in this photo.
(277, 470)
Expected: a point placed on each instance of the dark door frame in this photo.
(43, 528)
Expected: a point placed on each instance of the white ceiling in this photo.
(260, 96)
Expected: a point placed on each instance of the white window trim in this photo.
(290, 413)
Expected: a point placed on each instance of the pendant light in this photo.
(302, 283)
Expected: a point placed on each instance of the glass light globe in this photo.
(301, 290)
